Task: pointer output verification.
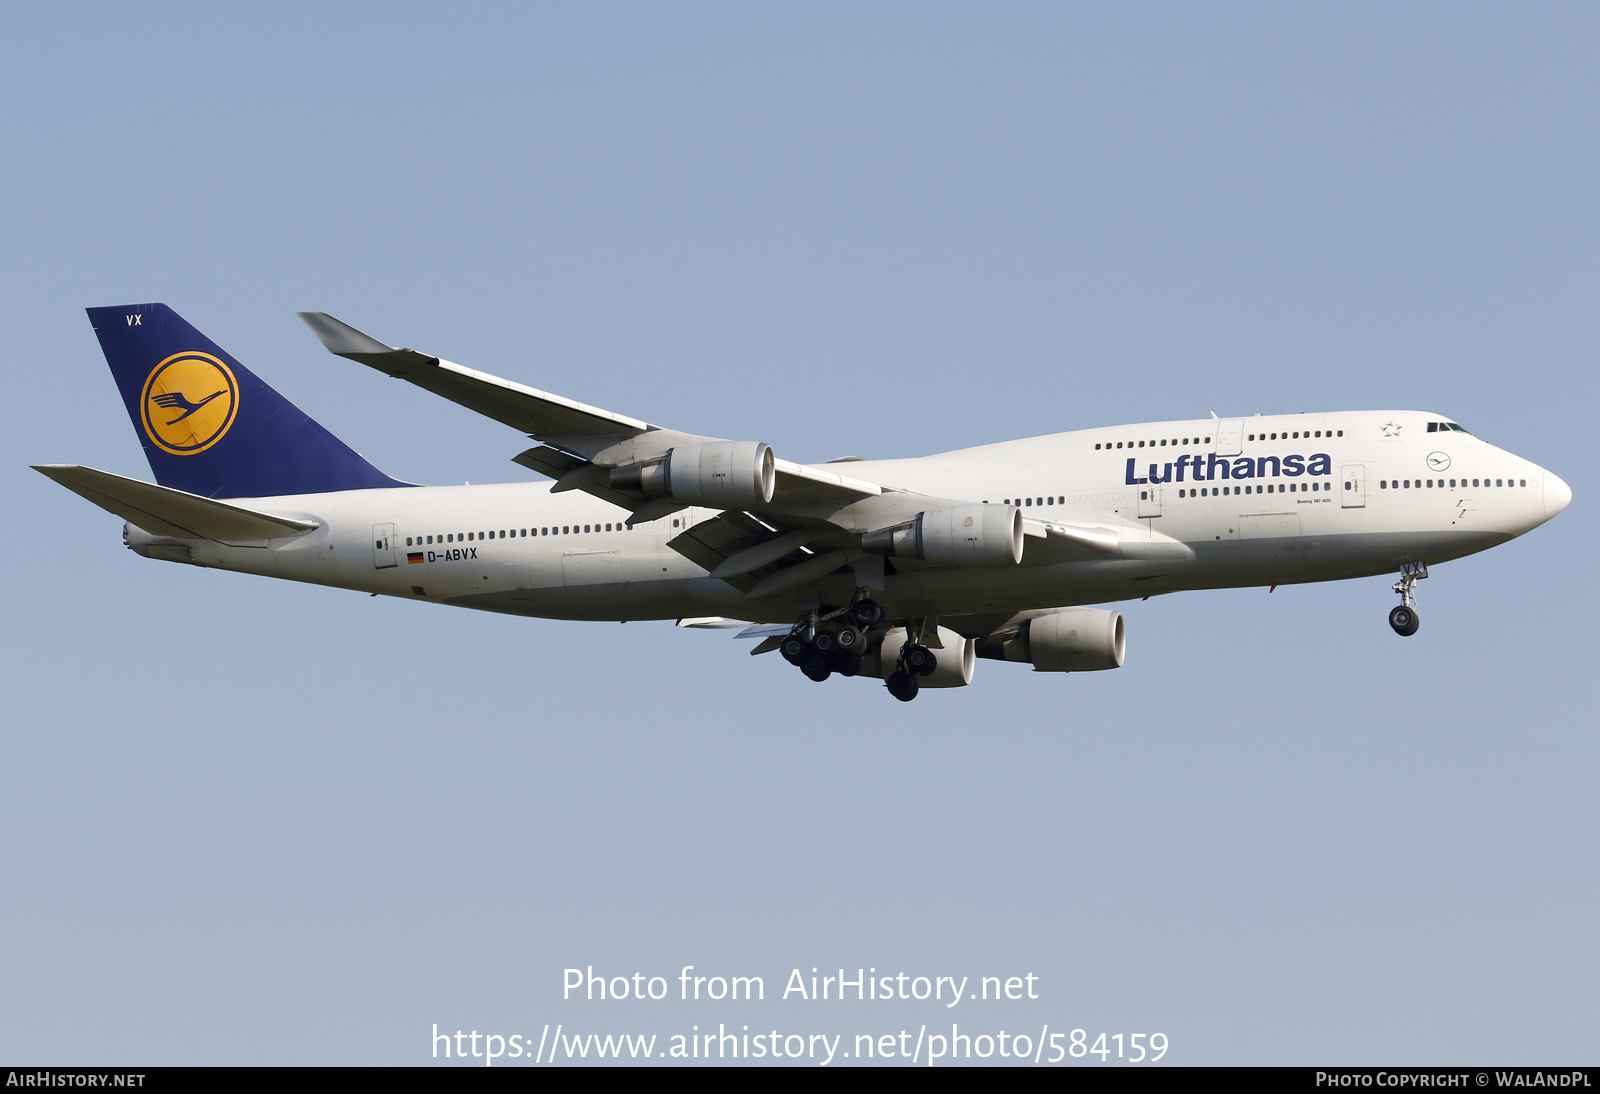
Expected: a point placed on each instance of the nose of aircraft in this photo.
(1557, 495)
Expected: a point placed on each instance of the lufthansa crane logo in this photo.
(189, 403)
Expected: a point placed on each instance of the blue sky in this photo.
(249, 821)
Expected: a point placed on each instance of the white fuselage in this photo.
(1278, 500)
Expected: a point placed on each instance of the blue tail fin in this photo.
(209, 426)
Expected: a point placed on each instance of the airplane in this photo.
(907, 571)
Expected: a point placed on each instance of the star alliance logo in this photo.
(1390, 430)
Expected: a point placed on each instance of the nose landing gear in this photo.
(1404, 619)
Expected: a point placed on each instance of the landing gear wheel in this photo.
(848, 640)
(795, 649)
(825, 642)
(1404, 621)
(867, 614)
(919, 660)
(816, 668)
(902, 685)
(848, 664)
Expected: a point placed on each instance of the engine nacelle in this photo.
(954, 663)
(1069, 640)
(718, 475)
(971, 535)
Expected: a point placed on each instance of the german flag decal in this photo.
(414, 557)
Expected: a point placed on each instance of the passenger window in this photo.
(1499, 482)
(1524, 482)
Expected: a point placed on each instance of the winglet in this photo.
(340, 337)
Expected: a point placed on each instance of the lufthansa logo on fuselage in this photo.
(189, 403)
(1438, 461)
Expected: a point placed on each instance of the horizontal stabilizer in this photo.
(163, 511)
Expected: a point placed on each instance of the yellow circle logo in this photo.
(190, 401)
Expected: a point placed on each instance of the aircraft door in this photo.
(1150, 501)
(383, 547)
(1353, 491)
(1230, 436)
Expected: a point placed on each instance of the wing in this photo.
(580, 443)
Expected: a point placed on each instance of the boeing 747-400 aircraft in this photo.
(902, 570)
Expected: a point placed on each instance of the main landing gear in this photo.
(915, 660)
(819, 652)
(835, 643)
(1404, 619)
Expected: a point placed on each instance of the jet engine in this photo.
(718, 475)
(1067, 640)
(976, 534)
(955, 661)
